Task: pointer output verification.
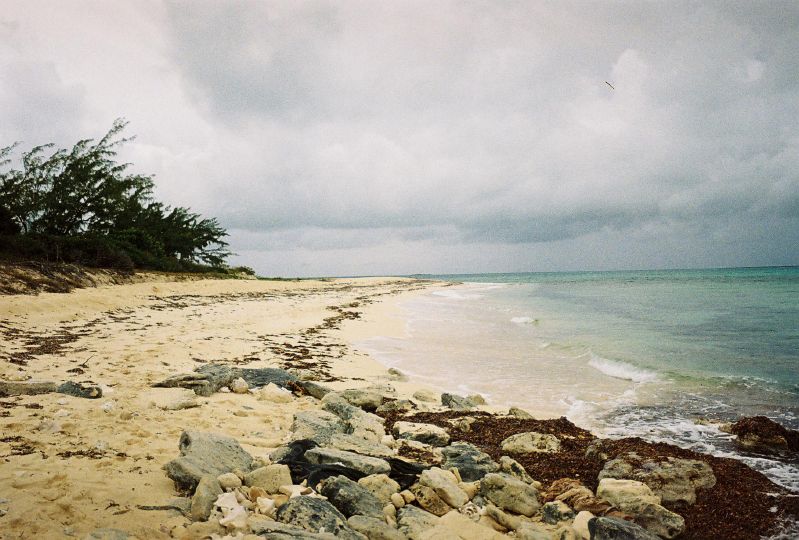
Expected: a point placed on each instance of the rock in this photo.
(413, 521)
(396, 375)
(353, 443)
(531, 531)
(314, 514)
(350, 498)
(313, 389)
(556, 511)
(510, 494)
(357, 422)
(229, 481)
(256, 377)
(463, 423)
(467, 529)
(26, 388)
(374, 528)
(577, 496)
(408, 496)
(78, 390)
(504, 520)
(364, 464)
(764, 434)
(424, 433)
(239, 386)
(477, 399)
(425, 395)
(205, 380)
(274, 394)
(609, 528)
(205, 454)
(269, 478)
(456, 402)
(397, 500)
(318, 426)
(208, 489)
(580, 524)
(531, 443)
(106, 534)
(674, 480)
(273, 530)
(381, 486)
(565, 532)
(519, 413)
(174, 399)
(427, 498)
(513, 468)
(396, 405)
(638, 500)
(445, 485)
(471, 462)
(365, 399)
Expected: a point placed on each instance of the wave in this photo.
(621, 370)
(468, 291)
(524, 320)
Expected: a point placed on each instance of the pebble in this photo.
(229, 481)
(108, 406)
(239, 386)
(397, 500)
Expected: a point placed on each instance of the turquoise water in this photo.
(647, 353)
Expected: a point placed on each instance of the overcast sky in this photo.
(342, 138)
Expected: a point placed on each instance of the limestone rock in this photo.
(364, 399)
(467, 529)
(513, 468)
(425, 395)
(79, 390)
(621, 492)
(531, 442)
(635, 498)
(106, 534)
(269, 478)
(504, 520)
(313, 514)
(456, 402)
(274, 394)
(531, 531)
(174, 399)
(519, 413)
(318, 426)
(256, 377)
(445, 485)
(609, 528)
(365, 464)
(424, 433)
(205, 380)
(357, 422)
(413, 521)
(205, 454)
(556, 511)
(229, 481)
(239, 386)
(396, 375)
(26, 388)
(268, 528)
(381, 486)
(477, 399)
(353, 443)
(428, 499)
(313, 389)
(580, 524)
(350, 498)
(396, 405)
(510, 494)
(208, 489)
(472, 463)
(374, 529)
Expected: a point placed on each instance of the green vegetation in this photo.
(81, 206)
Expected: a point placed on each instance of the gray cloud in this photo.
(372, 137)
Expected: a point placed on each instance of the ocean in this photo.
(665, 355)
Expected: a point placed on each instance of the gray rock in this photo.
(556, 511)
(519, 413)
(313, 389)
(381, 486)
(374, 528)
(314, 514)
(318, 426)
(274, 530)
(531, 442)
(637, 499)
(515, 469)
(365, 399)
(26, 388)
(674, 480)
(365, 464)
(270, 477)
(397, 375)
(350, 498)
(396, 405)
(609, 528)
(445, 485)
(456, 402)
(530, 531)
(358, 422)
(510, 494)
(424, 433)
(106, 534)
(413, 521)
(472, 464)
(353, 443)
(263, 376)
(78, 390)
(205, 454)
(425, 395)
(202, 503)
(205, 380)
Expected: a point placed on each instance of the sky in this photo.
(371, 138)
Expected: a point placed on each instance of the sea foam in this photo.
(621, 370)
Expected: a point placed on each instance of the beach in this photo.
(70, 465)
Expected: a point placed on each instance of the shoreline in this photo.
(72, 465)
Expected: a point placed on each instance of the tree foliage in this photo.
(81, 205)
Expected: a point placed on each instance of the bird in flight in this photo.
(613, 87)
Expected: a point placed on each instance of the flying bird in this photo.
(613, 87)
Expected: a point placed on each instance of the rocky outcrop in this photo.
(531, 443)
(472, 464)
(637, 499)
(608, 528)
(762, 433)
(364, 464)
(314, 514)
(350, 498)
(204, 454)
(510, 494)
(457, 403)
(445, 484)
(210, 378)
(317, 426)
(424, 433)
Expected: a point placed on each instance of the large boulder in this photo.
(317, 426)
(445, 484)
(457, 403)
(638, 500)
(357, 421)
(367, 400)
(364, 464)
(762, 433)
(269, 478)
(353, 443)
(510, 494)
(609, 528)
(424, 433)
(531, 442)
(314, 514)
(206, 454)
(471, 462)
(413, 521)
(513, 468)
(350, 498)
(674, 480)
